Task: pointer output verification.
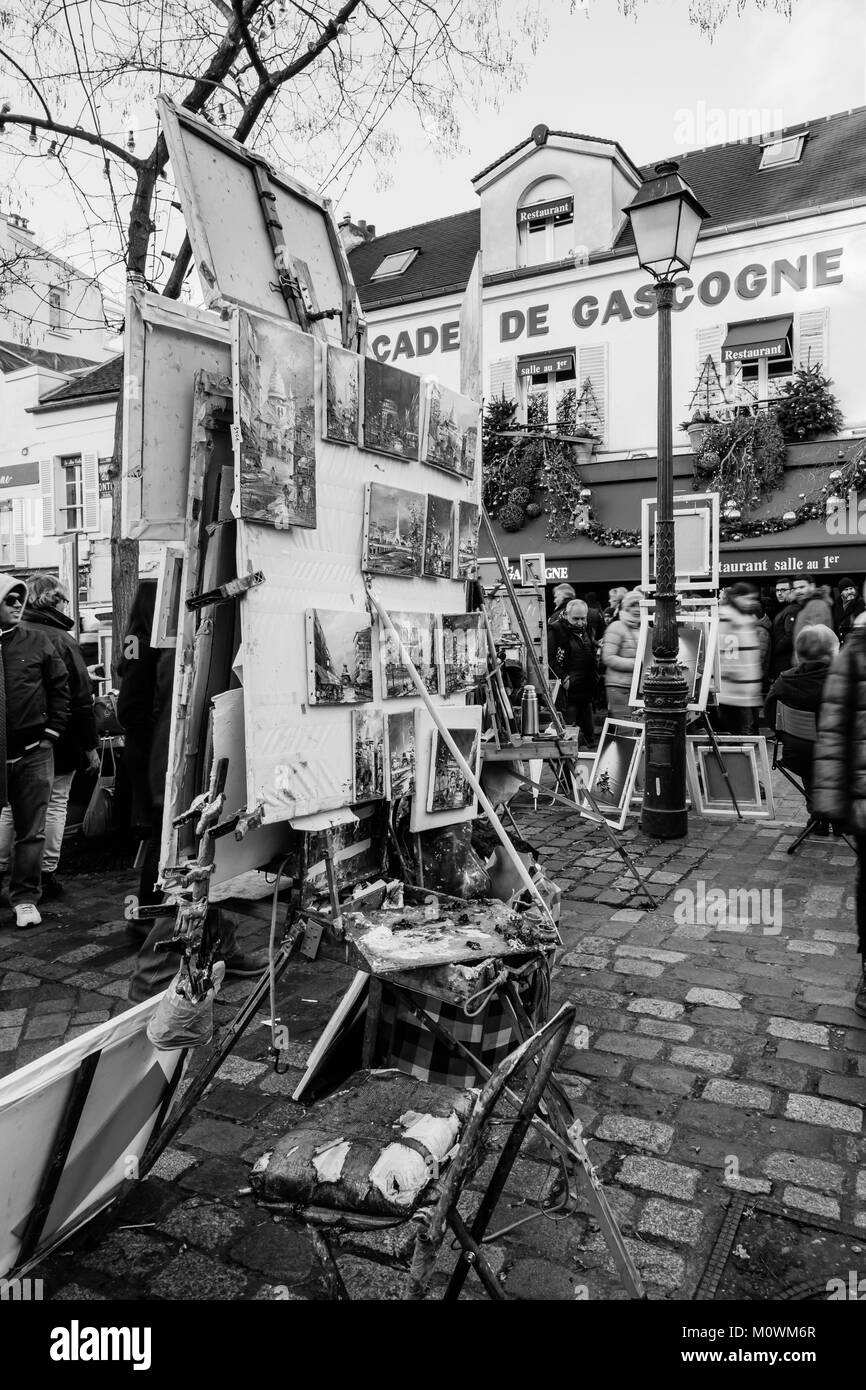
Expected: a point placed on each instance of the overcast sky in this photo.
(650, 82)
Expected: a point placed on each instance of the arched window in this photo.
(545, 222)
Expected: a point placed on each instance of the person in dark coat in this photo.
(839, 768)
(851, 605)
(572, 654)
(36, 693)
(135, 703)
(76, 747)
(782, 639)
(594, 617)
(802, 688)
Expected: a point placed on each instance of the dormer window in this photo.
(395, 264)
(545, 223)
(779, 153)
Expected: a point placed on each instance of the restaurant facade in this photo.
(778, 280)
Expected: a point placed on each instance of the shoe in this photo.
(51, 885)
(245, 964)
(860, 996)
(27, 915)
(821, 828)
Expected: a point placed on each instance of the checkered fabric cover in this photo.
(404, 1042)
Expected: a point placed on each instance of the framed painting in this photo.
(274, 370)
(447, 787)
(746, 773)
(532, 571)
(439, 538)
(416, 633)
(169, 586)
(463, 652)
(434, 766)
(339, 657)
(614, 770)
(341, 404)
(401, 754)
(368, 755)
(393, 531)
(466, 552)
(392, 410)
(450, 431)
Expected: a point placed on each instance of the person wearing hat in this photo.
(46, 597)
(34, 693)
(852, 606)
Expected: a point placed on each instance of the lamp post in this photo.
(665, 218)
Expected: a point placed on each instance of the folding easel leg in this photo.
(472, 1256)
(333, 1278)
(371, 1023)
(803, 835)
(721, 762)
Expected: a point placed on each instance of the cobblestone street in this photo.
(706, 1061)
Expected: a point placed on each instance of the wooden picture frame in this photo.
(748, 766)
(167, 617)
(699, 641)
(533, 571)
(614, 769)
(453, 717)
(393, 531)
(696, 541)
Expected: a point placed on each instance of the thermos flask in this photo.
(529, 712)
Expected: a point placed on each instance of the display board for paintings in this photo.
(748, 768)
(165, 344)
(698, 633)
(301, 756)
(696, 541)
(219, 185)
(78, 1154)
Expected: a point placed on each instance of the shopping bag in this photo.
(105, 714)
(183, 1022)
(98, 818)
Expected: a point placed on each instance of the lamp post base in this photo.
(664, 815)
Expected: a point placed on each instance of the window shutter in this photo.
(19, 532)
(503, 379)
(810, 334)
(90, 482)
(49, 503)
(708, 342)
(592, 367)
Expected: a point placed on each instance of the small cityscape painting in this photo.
(451, 433)
(392, 409)
(274, 381)
(463, 652)
(439, 538)
(339, 657)
(393, 531)
(467, 540)
(401, 754)
(342, 395)
(416, 632)
(368, 754)
(447, 789)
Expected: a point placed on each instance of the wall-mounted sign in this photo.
(19, 475)
(540, 212)
(540, 366)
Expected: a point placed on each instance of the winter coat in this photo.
(37, 689)
(79, 736)
(739, 658)
(619, 652)
(572, 656)
(800, 688)
(765, 644)
(595, 622)
(162, 706)
(839, 766)
(782, 650)
(137, 669)
(815, 610)
(850, 612)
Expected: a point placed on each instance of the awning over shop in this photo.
(541, 364)
(747, 342)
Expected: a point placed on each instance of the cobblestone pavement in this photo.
(706, 1060)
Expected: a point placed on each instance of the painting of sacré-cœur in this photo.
(451, 436)
(394, 533)
(392, 408)
(342, 395)
(274, 370)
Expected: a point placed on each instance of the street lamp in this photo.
(665, 219)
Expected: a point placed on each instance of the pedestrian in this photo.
(852, 606)
(573, 658)
(619, 653)
(594, 618)
(135, 704)
(35, 713)
(76, 746)
(814, 605)
(765, 644)
(562, 594)
(784, 596)
(782, 640)
(802, 688)
(839, 767)
(739, 659)
(614, 599)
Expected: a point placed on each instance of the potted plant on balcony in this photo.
(808, 407)
(697, 427)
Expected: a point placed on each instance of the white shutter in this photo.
(19, 532)
(708, 342)
(90, 485)
(592, 367)
(503, 381)
(49, 502)
(810, 339)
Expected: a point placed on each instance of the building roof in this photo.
(725, 178)
(14, 357)
(102, 381)
(447, 248)
(567, 134)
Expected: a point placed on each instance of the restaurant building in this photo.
(778, 280)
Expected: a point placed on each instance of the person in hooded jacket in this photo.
(619, 653)
(36, 709)
(739, 659)
(839, 767)
(851, 606)
(815, 606)
(76, 747)
(802, 688)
